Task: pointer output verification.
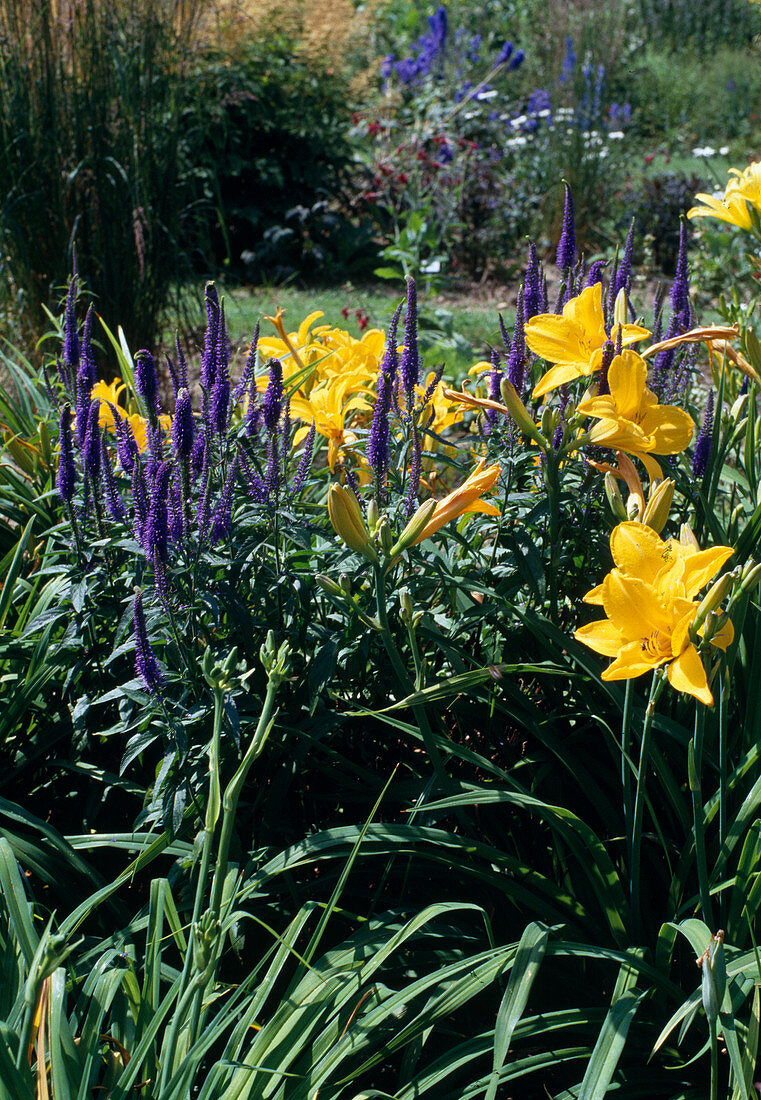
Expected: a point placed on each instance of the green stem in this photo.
(714, 1061)
(626, 782)
(722, 708)
(694, 770)
(402, 675)
(552, 483)
(656, 688)
(212, 813)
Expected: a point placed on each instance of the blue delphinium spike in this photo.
(377, 452)
(566, 253)
(91, 446)
(70, 350)
(703, 442)
(220, 393)
(156, 532)
(222, 518)
(146, 665)
(272, 403)
(209, 357)
(183, 426)
(67, 473)
(147, 381)
(249, 369)
(305, 462)
(114, 502)
(409, 367)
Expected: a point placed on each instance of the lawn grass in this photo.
(453, 330)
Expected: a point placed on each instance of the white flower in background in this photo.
(724, 151)
(704, 151)
(616, 135)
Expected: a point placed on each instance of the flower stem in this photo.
(656, 688)
(694, 768)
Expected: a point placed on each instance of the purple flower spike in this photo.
(83, 409)
(88, 371)
(126, 444)
(182, 366)
(533, 303)
(140, 502)
(495, 377)
(183, 426)
(114, 502)
(377, 441)
(566, 254)
(156, 533)
(517, 60)
(390, 362)
(249, 370)
(594, 274)
(209, 357)
(409, 367)
(222, 518)
(703, 442)
(146, 665)
(67, 474)
(624, 273)
(680, 289)
(516, 359)
(504, 54)
(272, 404)
(91, 446)
(147, 380)
(198, 456)
(176, 519)
(220, 393)
(70, 350)
(305, 463)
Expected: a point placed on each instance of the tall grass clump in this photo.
(91, 152)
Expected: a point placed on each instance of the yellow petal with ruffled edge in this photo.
(638, 551)
(633, 660)
(558, 376)
(634, 607)
(700, 568)
(732, 209)
(686, 673)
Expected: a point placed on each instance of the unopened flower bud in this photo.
(411, 532)
(714, 976)
(348, 521)
(406, 605)
(372, 515)
(344, 581)
(328, 585)
(386, 535)
(714, 596)
(750, 576)
(658, 506)
(620, 309)
(615, 500)
(520, 413)
(549, 421)
(632, 508)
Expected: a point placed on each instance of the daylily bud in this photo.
(615, 500)
(714, 974)
(413, 528)
(348, 522)
(328, 585)
(372, 515)
(620, 309)
(344, 581)
(714, 623)
(658, 506)
(520, 413)
(715, 594)
(633, 509)
(549, 421)
(386, 535)
(750, 576)
(405, 604)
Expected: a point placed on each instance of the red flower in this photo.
(345, 312)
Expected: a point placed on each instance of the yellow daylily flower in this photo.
(632, 420)
(140, 426)
(327, 405)
(574, 341)
(742, 190)
(328, 351)
(109, 395)
(648, 599)
(466, 498)
(445, 412)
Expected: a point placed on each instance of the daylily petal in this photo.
(686, 673)
(632, 661)
(701, 567)
(601, 636)
(557, 376)
(627, 376)
(634, 606)
(638, 551)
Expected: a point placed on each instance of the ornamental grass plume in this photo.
(648, 599)
(574, 342)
